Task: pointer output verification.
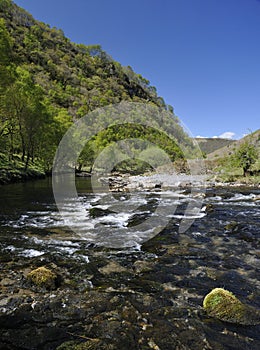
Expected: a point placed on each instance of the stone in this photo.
(99, 212)
(112, 267)
(43, 277)
(225, 306)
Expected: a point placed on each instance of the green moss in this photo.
(42, 277)
(233, 226)
(225, 306)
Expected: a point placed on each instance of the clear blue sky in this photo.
(203, 56)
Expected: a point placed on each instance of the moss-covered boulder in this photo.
(43, 277)
(225, 306)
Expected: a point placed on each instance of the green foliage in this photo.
(26, 116)
(142, 142)
(244, 157)
(6, 44)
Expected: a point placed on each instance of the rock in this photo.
(115, 183)
(83, 174)
(137, 219)
(6, 282)
(89, 345)
(112, 267)
(209, 208)
(43, 277)
(232, 226)
(143, 266)
(225, 306)
(152, 345)
(98, 212)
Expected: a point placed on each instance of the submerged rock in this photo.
(98, 212)
(43, 277)
(89, 345)
(225, 306)
(112, 267)
(233, 227)
(209, 208)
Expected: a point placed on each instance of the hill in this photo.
(238, 162)
(209, 145)
(229, 149)
(48, 82)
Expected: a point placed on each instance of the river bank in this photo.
(127, 183)
(10, 176)
(14, 171)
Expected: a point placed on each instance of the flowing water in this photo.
(161, 273)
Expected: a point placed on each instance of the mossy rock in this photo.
(225, 306)
(209, 208)
(43, 277)
(233, 227)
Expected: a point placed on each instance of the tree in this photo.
(6, 44)
(244, 157)
(26, 115)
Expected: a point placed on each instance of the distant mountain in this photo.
(209, 145)
(230, 148)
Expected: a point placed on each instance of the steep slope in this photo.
(48, 82)
(76, 77)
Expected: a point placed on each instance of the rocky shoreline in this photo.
(124, 182)
(157, 181)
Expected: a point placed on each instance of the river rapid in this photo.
(145, 291)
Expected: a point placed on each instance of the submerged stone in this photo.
(89, 345)
(225, 306)
(209, 208)
(233, 226)
(99, 212)
(112, 267)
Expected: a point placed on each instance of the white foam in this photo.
(31, 253)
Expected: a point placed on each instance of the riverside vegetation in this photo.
(238, 161)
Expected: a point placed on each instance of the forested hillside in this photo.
(47, 83)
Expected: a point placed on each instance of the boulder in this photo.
(225, 306)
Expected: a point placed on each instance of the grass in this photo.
(14, 170)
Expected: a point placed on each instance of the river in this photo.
(123, 284)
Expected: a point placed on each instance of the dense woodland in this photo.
(47, 83)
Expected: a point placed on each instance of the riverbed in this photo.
(128, 276)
